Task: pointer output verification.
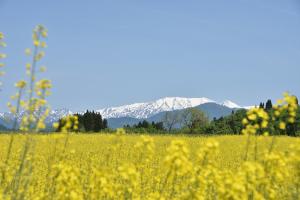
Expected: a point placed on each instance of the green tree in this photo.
(231, 124)
(194, 119)
(170, 119)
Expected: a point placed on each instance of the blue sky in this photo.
(107, 53)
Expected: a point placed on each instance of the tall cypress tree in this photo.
(97, 122)
(105, 124)
(261, 105)
(269, 105)
(86, 121)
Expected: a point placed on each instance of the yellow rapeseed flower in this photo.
(36, 43)
(252, 117)
(21, 84)
(282, 125)
(28, 51)
(2, 55)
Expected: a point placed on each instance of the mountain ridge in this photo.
(148, 109)
(139, 111)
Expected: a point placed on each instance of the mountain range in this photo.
(150, 111)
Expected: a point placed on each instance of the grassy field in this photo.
(99, 166)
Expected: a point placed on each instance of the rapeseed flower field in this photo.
(119, 166)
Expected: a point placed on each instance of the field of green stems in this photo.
(120, 166)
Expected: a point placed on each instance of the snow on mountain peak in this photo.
(148, 109)
(230, 104)
(136, 110)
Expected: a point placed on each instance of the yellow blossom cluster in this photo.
(259, 121)
(68, 123)
(178, 159)
(42, 88)
(34, 108)
(146, 146)
(285, 110)
(66, 182)
(130, 182)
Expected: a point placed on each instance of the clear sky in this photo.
(107, 53)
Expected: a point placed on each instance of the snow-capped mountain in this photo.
(148, 109)
(7, 118)
(137, 110)
(55, 115)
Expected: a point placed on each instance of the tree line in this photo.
(90, 121)
(145, 127)
(190, 121)
(193, 120)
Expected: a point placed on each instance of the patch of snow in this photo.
(230, 104)
(148, 109)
